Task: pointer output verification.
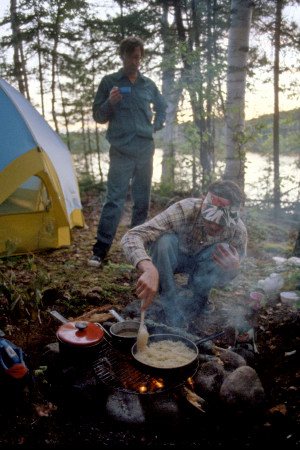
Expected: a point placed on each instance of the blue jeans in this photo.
(168, 260)
(122, 169)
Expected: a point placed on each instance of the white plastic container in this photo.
(289, 298)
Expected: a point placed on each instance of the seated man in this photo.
(203, 238)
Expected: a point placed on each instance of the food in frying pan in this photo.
(166, 354)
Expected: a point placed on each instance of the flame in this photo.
(143, 389)
(191, 383)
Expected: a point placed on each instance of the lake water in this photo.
(258, 176)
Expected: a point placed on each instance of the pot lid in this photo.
(81, 334)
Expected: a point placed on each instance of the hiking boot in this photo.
(95, 261)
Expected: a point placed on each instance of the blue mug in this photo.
(125, 90)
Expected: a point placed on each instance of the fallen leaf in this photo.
(45, 410)
(194, 399)
(290, 353)
(278, 408)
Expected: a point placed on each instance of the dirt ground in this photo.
(33, 285)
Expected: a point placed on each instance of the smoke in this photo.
(237, 315)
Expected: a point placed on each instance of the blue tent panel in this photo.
(16, 138)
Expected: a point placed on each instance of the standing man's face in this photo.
(131, 61)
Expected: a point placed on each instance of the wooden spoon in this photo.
(143, 335)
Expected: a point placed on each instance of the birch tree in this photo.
(238, 47)
(171, 92)
(278, 19)
(19, 69)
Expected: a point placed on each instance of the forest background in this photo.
(56, 52)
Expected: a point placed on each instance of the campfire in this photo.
(118, 370)
(130, 392)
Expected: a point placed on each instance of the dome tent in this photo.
(39, 195)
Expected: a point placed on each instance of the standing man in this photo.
(125, 100)
(204, 238)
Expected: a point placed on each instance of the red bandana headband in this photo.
(219, 210)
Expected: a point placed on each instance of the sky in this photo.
(260, 99)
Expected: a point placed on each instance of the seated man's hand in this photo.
(147, 284)
(227, 260)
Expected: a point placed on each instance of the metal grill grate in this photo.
(119, 370)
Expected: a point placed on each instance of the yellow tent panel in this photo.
(39, 195)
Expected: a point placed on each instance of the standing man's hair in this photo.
(128, 45)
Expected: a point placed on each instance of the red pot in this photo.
(78, 338)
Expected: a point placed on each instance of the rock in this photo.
(279, 259)
(231, 360)
(86, 389)
(125, 407)
(50, 358)
(294, 260)
(247, 354)
(162, 409)
(208, 380)
(50, 354)
(242, 390)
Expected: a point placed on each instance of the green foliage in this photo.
(112, 268)
(10, 247)
(40, 374)
(87, 182)
(292, 278)
(162, 191)
(261, 133)
(257, 229)
(24, 302)
(276, 248)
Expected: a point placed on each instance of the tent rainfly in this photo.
(39, 195)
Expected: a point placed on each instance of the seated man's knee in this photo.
(164, 244)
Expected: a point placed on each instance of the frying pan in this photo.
(175, 338)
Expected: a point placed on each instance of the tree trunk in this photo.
(83, 135)
(99, 154)
(39, 52)
(209, 88)
(276, 69)
(296, 251)
(56, 37)
(65, 115)
(171, 93)
(16, 44)
(238, 47)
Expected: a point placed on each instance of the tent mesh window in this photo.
(31, 196)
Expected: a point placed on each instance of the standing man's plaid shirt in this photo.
(183, 219)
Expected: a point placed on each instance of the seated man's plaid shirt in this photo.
(183, 219)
